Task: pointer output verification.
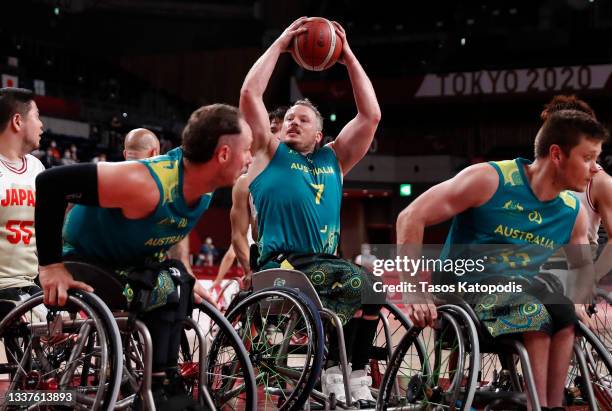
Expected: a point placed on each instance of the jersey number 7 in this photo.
(319, 188)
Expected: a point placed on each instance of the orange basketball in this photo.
(319, 47)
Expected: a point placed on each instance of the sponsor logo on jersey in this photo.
(535, 217)
(513, 206)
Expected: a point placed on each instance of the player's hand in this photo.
(421, 308)
(583, 315)
(55, 281)
(285, 41)
(422, 315)
(346, 50)
(200, 293)
(247, 281)
(215, 284)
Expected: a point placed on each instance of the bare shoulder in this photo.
(580, 229)
(242, 185)
(484, 173)
(261, 159)
(127, 184)
(601, 187)
(133, 172)
(602, 180)
(476, 183)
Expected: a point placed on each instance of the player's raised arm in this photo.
(239, 216)
(256, 82)
(355, 138)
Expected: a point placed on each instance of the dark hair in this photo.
(308, 103)
(565, 102)
(565, 128)
(204, 129)
(12, 101)
(278, 113)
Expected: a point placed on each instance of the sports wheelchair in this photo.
(286, 330)
(456, 365)
(105, 358)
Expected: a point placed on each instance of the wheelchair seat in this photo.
(105, 284)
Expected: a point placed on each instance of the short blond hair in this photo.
(310, 105)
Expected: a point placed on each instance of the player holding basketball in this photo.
(129, 214)
(20, 130)
(481, 198)
(297, 191)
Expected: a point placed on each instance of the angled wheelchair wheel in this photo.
(434, 368)
(589, 380)
(216, 365)
(73, 348)
(227, 293)
(595, 346)
(283, 333)
(392, 326)
(602, 318)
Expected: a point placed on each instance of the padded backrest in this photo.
(277, 277)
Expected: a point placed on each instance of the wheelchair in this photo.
(76, 348)
(434, 368)
(457, 366)
(106, 357)
(284, 325)
(596, 345)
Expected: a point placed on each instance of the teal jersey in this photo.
(297, 199)
(105, 235)
(515, 216)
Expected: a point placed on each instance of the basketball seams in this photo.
(318, 48)
(296, 53)
(309, 47)
(332, 47)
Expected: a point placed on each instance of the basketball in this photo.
(319, 47)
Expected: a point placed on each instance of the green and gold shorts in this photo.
(535, 309)
(341, 285)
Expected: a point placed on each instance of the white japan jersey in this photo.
(18, 257)
(593, 215)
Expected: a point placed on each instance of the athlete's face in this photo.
(300, 129)
(32, 128)
(239, 157)
(276, 124)
(580, 166)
